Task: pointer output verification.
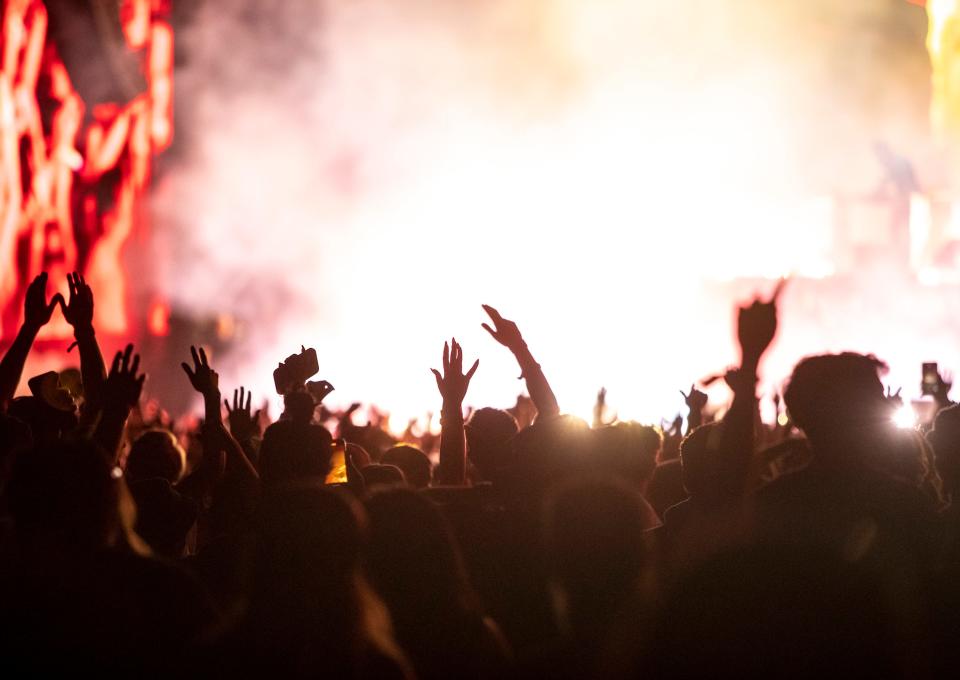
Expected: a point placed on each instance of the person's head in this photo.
(298, 407)
(155, 454)
(945, 440)
(293, 450)
(46, 423)
(553, 449)
(155, 463)
(837, 397)
(594, 537)
(414, 463)
(666, 486)
(412, 559)
(378, 475)
(48, 388)
(488, 432)
(66, 495)
(630, 450)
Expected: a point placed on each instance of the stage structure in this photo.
(86, 94)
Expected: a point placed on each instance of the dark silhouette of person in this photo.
(155, 464)
(596, 550)
(310, 612)
(412, 461)
(415, 565)
(853, 495)
(295, 448)
(489, 432)
(376, 475)
(80, 595)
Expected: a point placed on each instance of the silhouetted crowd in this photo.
(538, 546)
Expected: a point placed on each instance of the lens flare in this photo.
(905, 417)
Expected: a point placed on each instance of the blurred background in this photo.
(359, 176)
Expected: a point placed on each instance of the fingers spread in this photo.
(493, 313)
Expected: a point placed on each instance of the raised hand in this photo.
(118, 393)
(36, 312)
(757, 326)
(244, 423)
(123, 386)
(893, 399)
(600, 407)
(79, 310)
(695, 400)
(507, 334)
(454, 382)
(504, 331)
(203, 378)
(36, 309)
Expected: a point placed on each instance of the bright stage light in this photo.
(599, 172)
(905, 417)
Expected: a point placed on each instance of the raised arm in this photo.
(507, 334)
(696, 401)
(120, 393)
(756, 328)
(206, 381)
(36, 313)
(453, 384)
(79, 313)
(244, 422)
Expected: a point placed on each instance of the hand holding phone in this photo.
(294, 372)
(930, 380)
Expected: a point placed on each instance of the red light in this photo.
(122, 135)
(158, 319)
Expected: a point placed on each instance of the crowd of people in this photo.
(537, 546)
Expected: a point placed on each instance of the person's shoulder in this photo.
(790, 484)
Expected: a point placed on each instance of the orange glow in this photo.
(158, 319)
(58, 216)
(942, 35)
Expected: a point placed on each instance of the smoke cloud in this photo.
(360, 176)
